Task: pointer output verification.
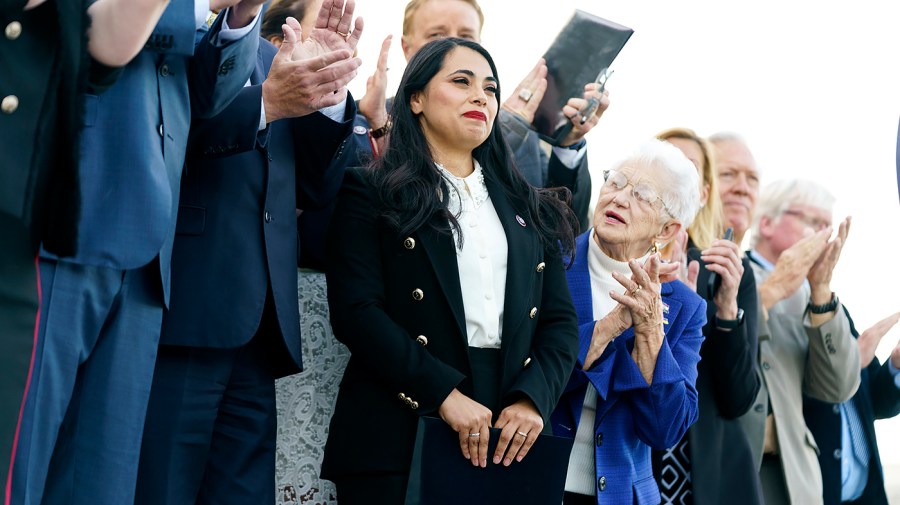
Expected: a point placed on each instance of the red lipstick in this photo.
(474, 114)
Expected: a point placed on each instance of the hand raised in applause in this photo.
(819, 276)
(868, 341)
(643, 300)
(296, 88)
(605, 331)
(792, 268)
(331, 31)
(471, 421)
(372, 104)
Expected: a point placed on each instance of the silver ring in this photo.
(522, 434)
(525, 95)
(474, 435)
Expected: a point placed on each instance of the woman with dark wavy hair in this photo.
(446, 282)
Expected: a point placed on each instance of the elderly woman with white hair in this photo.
(633, 387)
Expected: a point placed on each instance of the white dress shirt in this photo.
(481, 254)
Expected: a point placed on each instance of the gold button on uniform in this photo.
(402, 397)
(13, 30)
(418, 294)
(540, 267)
(409, 243)
(414, 405)
(9, 104)
(422, 339)
(533, 312)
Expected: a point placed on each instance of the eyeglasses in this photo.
(642, 192)
(811, 221)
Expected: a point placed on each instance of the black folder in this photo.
(586, 46)
(441, 476)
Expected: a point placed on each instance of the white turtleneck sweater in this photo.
(581, 477)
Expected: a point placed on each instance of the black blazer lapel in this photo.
(523, 251)
(442, 252)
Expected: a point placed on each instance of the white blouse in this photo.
(482, 257)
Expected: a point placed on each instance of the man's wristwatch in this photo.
(826, 308)
(731, 324)
(377, 133)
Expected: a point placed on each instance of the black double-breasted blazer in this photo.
(396, 302)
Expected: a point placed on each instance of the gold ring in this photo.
(342, 34)
(635, 290)
(522, 434)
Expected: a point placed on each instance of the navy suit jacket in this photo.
(134, 139)
(876, 398)
(237, 235)
(632, 417)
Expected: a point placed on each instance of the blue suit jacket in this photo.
(237, 235)
(134, 139)
(632, 417)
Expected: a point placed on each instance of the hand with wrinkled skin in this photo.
(644, 302)
(605, 331)
(298, 88)
(520, 417)
(466, 416)
(331, 31)
(819, 276)
(792, 268)
(868, 341)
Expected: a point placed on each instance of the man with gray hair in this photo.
(805, 343)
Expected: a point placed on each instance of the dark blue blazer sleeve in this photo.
(731, 355)
(884, 392)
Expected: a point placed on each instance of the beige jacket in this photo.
(796, 359)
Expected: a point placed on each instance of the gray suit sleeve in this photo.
(832, 366)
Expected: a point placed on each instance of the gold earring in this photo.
(655, 248)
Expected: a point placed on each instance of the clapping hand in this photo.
(372, 104)
(295, 88)
(792, 267)
(868, 341)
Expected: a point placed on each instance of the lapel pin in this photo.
(520, 220)
(665, 308)
(359, 130)
(665, 321)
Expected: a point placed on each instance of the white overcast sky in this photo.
(814, 87)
